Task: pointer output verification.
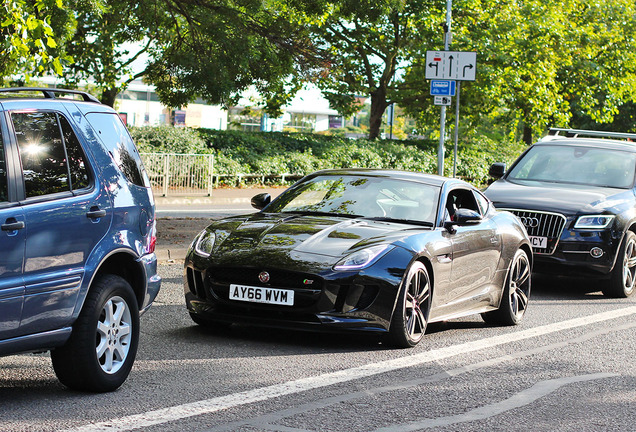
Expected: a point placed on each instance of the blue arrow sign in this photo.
(442, 88)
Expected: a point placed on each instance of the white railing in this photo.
(180, 174)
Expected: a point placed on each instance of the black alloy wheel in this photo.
(516, 293)
(412, 310)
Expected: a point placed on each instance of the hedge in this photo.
(274, 153)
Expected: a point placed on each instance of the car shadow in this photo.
(551, 287)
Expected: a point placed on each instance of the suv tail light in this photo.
(151, 240)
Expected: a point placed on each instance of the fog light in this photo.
(596, 252)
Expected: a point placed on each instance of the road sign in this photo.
(442, 88)
(451, 65)
(442, 100)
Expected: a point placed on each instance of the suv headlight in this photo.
(204, 244)
(361, 259)
(594, 221)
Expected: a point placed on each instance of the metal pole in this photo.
(456, 130)
(442, 133)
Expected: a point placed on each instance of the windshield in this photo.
(577, 165)
(359, 196)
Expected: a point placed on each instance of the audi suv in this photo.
(574, 192)
(77, 220)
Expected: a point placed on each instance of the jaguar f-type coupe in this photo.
(362, 250)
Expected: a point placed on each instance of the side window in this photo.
(42, 152)
(52, 158)
(4, 192)
(482, 202)
(460, 198)
(117, 140)
(76, 157)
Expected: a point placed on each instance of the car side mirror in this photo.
(497, 170)
(463, 217)
(261, 200)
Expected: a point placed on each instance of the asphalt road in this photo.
(568, 367)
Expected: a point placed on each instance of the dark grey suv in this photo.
(575, 193)
(77, 238)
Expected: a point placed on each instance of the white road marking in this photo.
(165, 415)
(520, 399)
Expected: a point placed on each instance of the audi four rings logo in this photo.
(530, 222)
(263, 277)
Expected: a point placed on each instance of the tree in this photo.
(211, 49)
(538, 61)
(366, 44)
(30, 32)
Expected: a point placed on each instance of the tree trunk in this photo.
(527, 134)
(109, 95)
(378, 106)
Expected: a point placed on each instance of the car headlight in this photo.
(361, 258)
(204, 244)
(594, 221)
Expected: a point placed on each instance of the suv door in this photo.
(12, 235)
(66, 214)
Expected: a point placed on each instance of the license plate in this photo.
(539, 242)
(261, 295)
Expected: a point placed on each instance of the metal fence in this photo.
(193, 174)
(180, 174)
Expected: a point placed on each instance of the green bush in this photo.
(273, 153)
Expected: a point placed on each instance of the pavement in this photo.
(190, 214)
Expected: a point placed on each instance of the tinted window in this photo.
(76, 157)
(42, 152)
(578, 165)
(4, 195)
(117, 140)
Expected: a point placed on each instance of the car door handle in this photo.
(96, 213)
(12, 226)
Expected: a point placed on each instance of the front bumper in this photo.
(573, 255)
(360, 300)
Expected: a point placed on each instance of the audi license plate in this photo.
(262, 295)
(539, 242)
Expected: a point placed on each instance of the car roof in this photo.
(431, 179)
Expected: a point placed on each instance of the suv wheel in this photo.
(102, 348)
(623, 277)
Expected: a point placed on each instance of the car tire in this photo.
(623, 277)
(410, 317)
(101, 350)
(516, 293)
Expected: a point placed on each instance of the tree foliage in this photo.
(539, 63)
(366, 44)
(30, 32)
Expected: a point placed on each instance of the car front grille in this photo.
(542, 224)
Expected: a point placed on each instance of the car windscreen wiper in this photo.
(405, 221)
(318, 213)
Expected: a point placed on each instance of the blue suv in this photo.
(77, 238)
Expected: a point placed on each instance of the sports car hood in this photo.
(265, 234)
(567, 199)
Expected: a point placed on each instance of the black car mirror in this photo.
(463, 217)
(261, 200)
(497, 170)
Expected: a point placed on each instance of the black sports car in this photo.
(367, 250)
(577, 199)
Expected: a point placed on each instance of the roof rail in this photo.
(574, 133)
(49, 93)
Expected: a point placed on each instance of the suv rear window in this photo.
(117, 140)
